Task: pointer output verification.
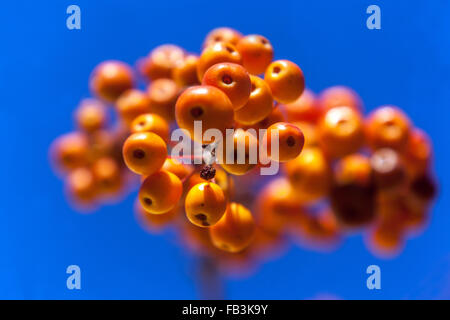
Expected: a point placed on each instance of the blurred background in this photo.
(44, 70)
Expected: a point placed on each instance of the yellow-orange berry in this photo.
(179, 169)
(388, 127)
(161, 61)
(256, 52)
(163, 94)
(149, 122)
(286, 80)
(217, 53)
(131, 104)
(354, 169)
(242, 157)
(144, 153)
(309, 174)
(107, 175)
(304, 109)
(235, 230)
(70, 151)
(91, 115)
(160, 192)
(185, 73)
(110, 79)
(339, 96)
(259, 104)
(289, 138)
(341, 132)
(205, 204)
(206, 104)
(223, 34)
(232, 79)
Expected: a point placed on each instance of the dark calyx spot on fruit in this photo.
(205, 224)
(208, 172)
(148, 201)
(276, 70)
(263, 41)
(138, 154)
(227, 79)
(142, 123)
(229, 49)
(196, 112)
(290, 141)
(201, 217)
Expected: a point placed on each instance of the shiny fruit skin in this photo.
(163, 94)
(235, 230)
(160, 192)
(131, 104)
(70, 151)
(206, 104)
(232, 79)
(91, 115)
(259, 104)
(388, 127)
(309, 174)
(144, 153)
(286, 80)
(241, 162)
(217, 53)
(353, 169)
(205, 204)
(341, 132)
(185, 73)
(304, 109)
(161, 62)
(149, 122)
(290, 141)
(110, 79)
(223, 34)
(179, 169)
(256, 52)
(339, 96)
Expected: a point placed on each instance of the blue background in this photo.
(44, 69)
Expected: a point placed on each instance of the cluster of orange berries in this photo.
(339, 170)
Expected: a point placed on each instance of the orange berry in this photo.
(131, 104)
(149, 122)
(388, 171)
(161, 61)
(206, 104)
(339, 96)
(354, 169)
(110, 79)
(144, 153)
(80, 184)
(418, 153)
(232, 79)
(290, 141)
(179, 169)
(286, 80)
(160, 192)
(224, 34)
(309, 131)
(163, 94)
(185, 73)
(275, 116)
(205, 204)
(70, 151)
(217, 53)
(259, 104)
(276, 204)
(309, 174)
(256, 52)
(388, 127)
(304, 109)
(101, 143)
(107, 175)
(341, 132)
(235, 230)
(243, 156)
(320, 228)
(91, 115)
(224, 181)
